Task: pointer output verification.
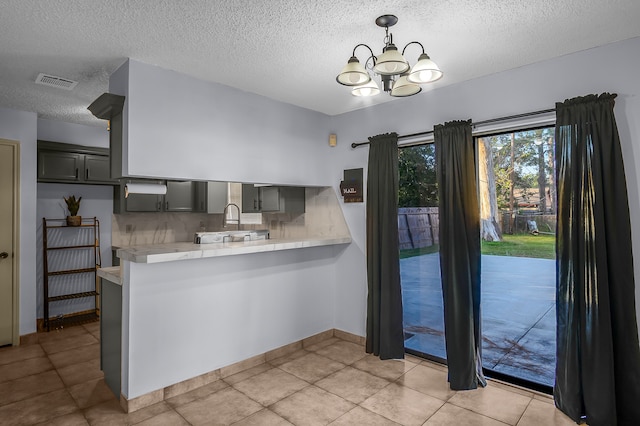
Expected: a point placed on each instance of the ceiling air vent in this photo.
(53, 81)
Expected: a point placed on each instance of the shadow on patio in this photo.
(518, 313)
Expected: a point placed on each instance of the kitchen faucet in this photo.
(224, 216)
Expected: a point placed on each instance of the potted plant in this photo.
(73, 205)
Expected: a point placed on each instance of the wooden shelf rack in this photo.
(91, 241)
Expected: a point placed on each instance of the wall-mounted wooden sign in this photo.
(351, 186)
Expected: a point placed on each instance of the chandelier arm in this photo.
(412, 42)
(372, 55)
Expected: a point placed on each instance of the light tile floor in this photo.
(58, 382)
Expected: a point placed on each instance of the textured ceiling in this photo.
(289, 50)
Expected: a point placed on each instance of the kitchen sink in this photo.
(230, 236)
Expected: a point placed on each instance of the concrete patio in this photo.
(518, 313)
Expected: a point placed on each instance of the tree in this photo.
(520, 172)
(417, 169)
(551, 173)
(489, 214)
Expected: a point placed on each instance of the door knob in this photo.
(4, 255)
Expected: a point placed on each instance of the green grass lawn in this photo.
(523, 245)
(419, 251)
(520, 245)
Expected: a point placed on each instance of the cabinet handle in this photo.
(255, 204)
(166, 205)
(86, 174)
(76, 173)
(159, 205)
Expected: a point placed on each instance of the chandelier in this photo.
(398, 78)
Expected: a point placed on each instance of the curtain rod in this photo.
(489, 121)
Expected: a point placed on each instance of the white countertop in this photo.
(111, 273)
(169, 252)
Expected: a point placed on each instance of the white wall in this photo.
(181, 127)
(611, 68)
(21, 126)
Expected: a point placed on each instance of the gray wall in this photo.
(611, 68)
(177, 126)
(97, 200)
(292, 153)
(60, 131)
(21, 126)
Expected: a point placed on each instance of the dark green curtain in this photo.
(459, 252)
(384, 302)
(598, 356)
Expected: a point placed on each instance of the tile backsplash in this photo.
(322, 218)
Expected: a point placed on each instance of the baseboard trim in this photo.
(142, 401)
(29, 339)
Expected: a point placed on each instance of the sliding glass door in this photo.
(419, 260)
(517, 211)
(518, 218)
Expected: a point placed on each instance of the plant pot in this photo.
(74, 220)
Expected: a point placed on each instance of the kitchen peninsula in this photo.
(169, 252)
(191, 312)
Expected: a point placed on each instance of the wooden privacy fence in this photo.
(417, 227)
(517, 224)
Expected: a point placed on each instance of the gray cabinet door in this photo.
(137, 202)
(292, 199)
(143, 203)
(250, 195)
(210, 197)
(256, 199)
(179, 196)
(269, 200)
(200, 197)
(96, 168)
(60, 166)
(286, 199)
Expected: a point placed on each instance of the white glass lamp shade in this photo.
(403, 87)
(369, 89)
(391, 62)
(353, 74)
(424, 71)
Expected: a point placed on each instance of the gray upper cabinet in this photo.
(269, 200)
(66, 163)
(256, 199)
(292, 199)
(135, 203)
(283, 199)
(180, 197)
(59, 166)
(96, 168)
(250, 195)
(210, 197)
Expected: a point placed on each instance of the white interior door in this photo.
(8, 177)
